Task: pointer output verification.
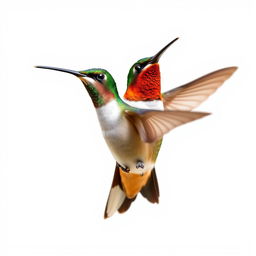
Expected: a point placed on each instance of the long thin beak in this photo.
(76, 73)
(156, 58)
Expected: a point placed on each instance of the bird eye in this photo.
(138, 67)
(100, 76)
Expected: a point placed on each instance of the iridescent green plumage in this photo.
(108, 81)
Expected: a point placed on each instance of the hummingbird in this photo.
(130, 134)
(144, 91)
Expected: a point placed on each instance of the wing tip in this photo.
(200, 115)
(205, 114)
(231, 69)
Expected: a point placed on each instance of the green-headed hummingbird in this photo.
(130, 133)
(144, 91)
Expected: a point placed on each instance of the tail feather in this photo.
(126, 204)
(151, 189)
(117, 199)
(116, 195)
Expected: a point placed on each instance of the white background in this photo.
(56, 170)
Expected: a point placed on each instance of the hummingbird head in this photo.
(98, 82)
(143, 81)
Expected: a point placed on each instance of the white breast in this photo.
(109, 115)
(115, 127)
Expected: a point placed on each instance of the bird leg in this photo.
(124, 168)
(139, 164)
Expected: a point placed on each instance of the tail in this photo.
(151, 189)
(117, 199)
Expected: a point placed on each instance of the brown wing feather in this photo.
(190, 95)
(152, 125)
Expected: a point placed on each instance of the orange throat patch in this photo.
(146, 86)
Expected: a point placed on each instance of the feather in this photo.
(116, 195)
(151, 189)
(152, 125)
(190, 95)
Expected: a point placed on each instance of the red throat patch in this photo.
(146, 85)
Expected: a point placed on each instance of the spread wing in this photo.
(152, 125)
(190, 95)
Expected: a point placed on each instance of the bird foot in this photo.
(125, 168)
(139, 164)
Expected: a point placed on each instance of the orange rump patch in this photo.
(133, 183)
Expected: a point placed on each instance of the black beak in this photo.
(76, 73)
(156, 58)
